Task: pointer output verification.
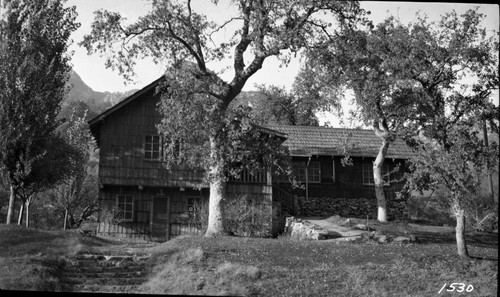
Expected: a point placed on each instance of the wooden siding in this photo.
(347, 181)
(122, 160)
(148, 213)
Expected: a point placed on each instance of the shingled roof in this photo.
(312, 140)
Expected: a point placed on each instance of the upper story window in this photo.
(311, 172)
(152, 147)
(368, 174)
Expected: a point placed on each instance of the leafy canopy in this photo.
(34, 65)
(195, 100)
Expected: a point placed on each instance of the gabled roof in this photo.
(313, 140)
(96, 122)
(301, 140)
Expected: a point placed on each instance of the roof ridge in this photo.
(315, 127)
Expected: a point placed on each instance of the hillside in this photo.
(81, 95)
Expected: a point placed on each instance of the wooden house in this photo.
(332, 186)
(141, 198)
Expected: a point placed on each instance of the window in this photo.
(299, 170)
(126, 207)
(313, 172)
(152, 147)
(368, 174)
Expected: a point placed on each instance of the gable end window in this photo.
(368, 174)
(152, 147)
(125, 205)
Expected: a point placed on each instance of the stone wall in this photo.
(349, 207)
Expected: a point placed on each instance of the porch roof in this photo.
(326, 141)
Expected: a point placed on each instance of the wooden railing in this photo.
(259, 177)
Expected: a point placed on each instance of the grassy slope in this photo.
(30, 260)
(281, 267)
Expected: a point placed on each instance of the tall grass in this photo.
(33, 273)
(409, 278)
(185, 272)
(32, 259)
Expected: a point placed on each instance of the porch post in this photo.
(168, 216)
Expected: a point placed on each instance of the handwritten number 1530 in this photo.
(459, 287)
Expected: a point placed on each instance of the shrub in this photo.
(482, 213)
(247, 217)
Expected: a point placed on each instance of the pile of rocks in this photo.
(303, 230)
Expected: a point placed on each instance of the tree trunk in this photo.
(460, 233)
(12, 202)
(27, 213)
(65, 218)
(490, 178)
(379, 181)
(21, 214)
(217, 192)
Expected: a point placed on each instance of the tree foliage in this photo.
(279, 106)
(76, 195)
(412, 78)
(367, 62)
(34, 68)
(429, 83)
(196, 99)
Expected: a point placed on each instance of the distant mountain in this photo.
(81, 91)
(81, 95)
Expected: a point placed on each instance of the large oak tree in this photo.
(428, 83)
(400, 72)
(195, 100)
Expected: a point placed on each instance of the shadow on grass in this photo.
(487, 240)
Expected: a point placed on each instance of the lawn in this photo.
(268, 267)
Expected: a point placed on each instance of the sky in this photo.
(93, 72)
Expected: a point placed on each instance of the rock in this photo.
(307, 231)
(382, 239)
(413, 238)
(402, 239)
(346, 239)
(360, 227)
(367, 235)
(332, 234)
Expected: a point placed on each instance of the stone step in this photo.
(106, 269)
(91, 263)
(101, 288)
(114, 273)
(103, 257)
(103, 281)
(132, 274)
